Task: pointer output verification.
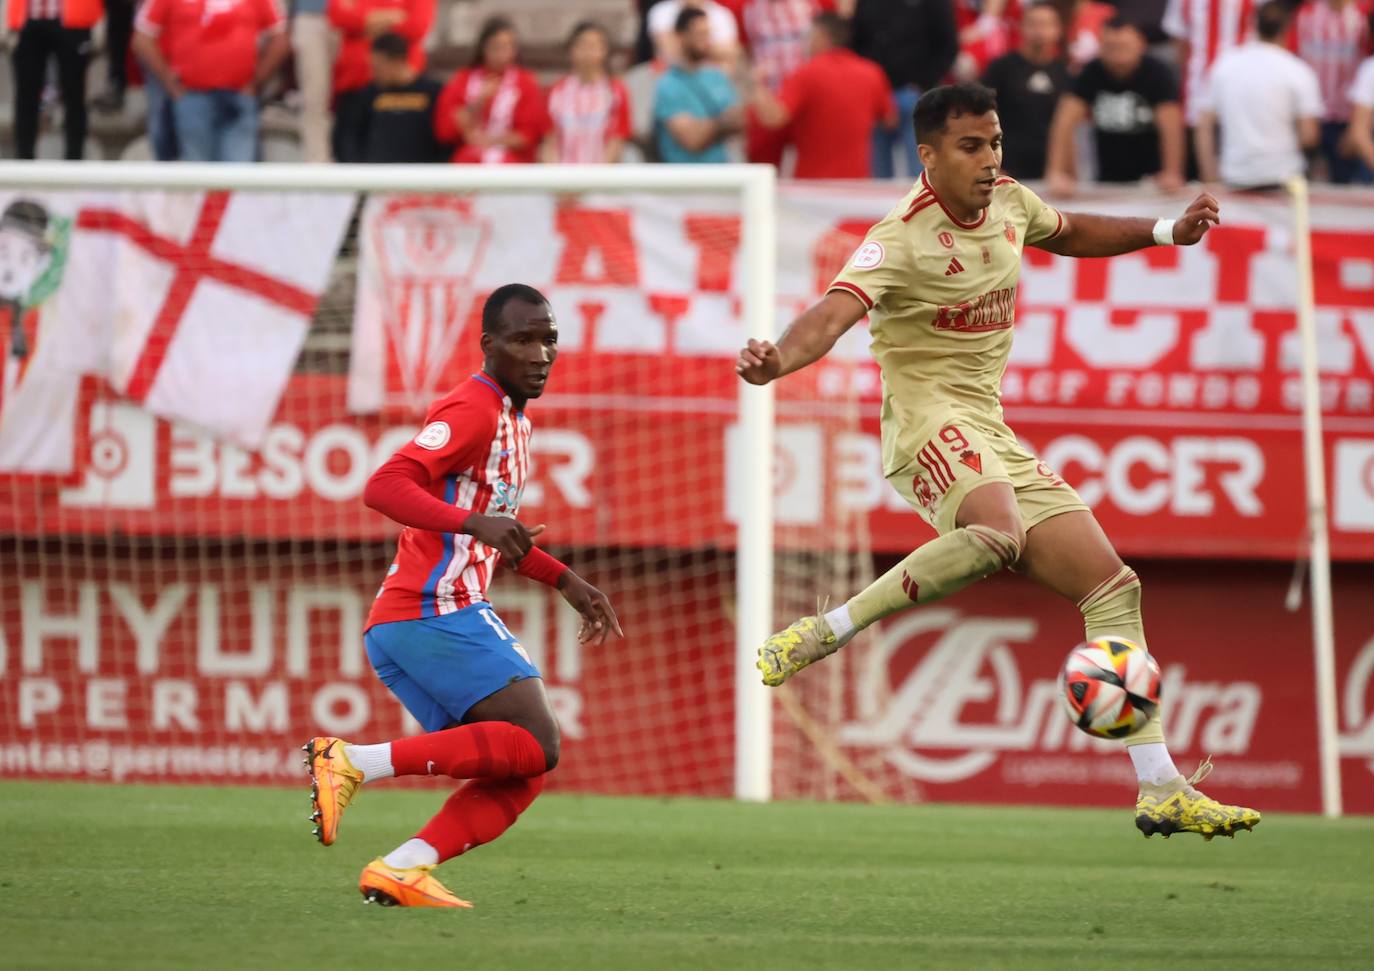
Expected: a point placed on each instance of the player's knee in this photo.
(551, 747)
(1005, 538)
(548, 736)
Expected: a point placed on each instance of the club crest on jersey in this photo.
(946, 239)
(869, 255)
(973, 460)
(434, 436)
(1009, 231)
(925, 495)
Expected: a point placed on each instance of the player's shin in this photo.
(1113, 608)
(477, 813)
(939, 568)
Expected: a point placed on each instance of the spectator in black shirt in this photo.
(1028, 82)
(1131, 99)
(396, 120)
(915, 42)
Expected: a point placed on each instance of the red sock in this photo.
(478, 813)
(482, 750)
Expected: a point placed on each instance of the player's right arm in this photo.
(806, 340)
(882, 265)
(455, 437)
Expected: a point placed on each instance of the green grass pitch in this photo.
(201, 878)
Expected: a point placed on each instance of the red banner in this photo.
(214, 664)
(1165, 485)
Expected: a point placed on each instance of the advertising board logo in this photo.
(1353, 508)
(943, 697)
(971, 661)
(1356, 718)
(121, 470)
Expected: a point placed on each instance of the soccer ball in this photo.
(1110, 687)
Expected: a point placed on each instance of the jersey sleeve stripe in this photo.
(925, 203)
(1005, 180)
(1059, 227)
(851, 288)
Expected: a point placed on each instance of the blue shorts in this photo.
(441, 666)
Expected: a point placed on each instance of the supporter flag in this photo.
(193, 305)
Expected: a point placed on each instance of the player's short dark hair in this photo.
(391, 46)
(938, 105)
(496, 303)
(835, 27)
(490, 28)
(1271, 20)
(686, 17)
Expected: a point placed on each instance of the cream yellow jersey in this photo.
(941, 296)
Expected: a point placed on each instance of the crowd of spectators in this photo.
(1238, 92)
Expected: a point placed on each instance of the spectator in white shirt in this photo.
(1269, 107)
(1360, 134)
(662, 23)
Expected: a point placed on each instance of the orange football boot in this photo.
(333, 781)
(412, 886)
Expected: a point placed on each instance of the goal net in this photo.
(199, 379)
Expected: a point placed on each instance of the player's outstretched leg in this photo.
(1070, 554)
(988, 538)
(515, 744)
(497, 750)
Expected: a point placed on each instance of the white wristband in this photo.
(1164, 232)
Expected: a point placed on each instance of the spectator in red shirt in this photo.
(206, 54)
(589, 109)
(832, 104)
(494, 109)
(776, 34)
(359, 23)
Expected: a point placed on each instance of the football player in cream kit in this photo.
(937, 279)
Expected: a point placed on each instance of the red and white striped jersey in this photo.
(1211, 27)
(475, 446)
(1333, 41)
(776, 33)
(587, 117)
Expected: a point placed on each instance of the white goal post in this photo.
(754, 186)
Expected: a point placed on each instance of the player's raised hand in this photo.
(759, 362)
(598, 618)
(1201, 215)
(509, 537)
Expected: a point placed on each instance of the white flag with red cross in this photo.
(192, 304)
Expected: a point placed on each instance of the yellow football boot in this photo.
(333, 781)
(412, 886)
(1176, 807)
(788, 651)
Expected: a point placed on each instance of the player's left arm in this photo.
(1084, 234)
